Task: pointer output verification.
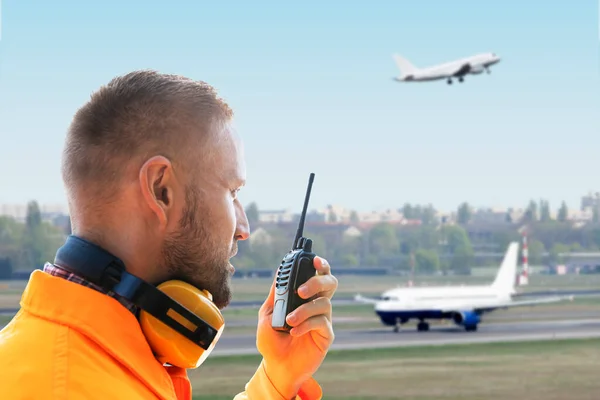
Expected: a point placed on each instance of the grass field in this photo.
(545, 370)
(550, 370)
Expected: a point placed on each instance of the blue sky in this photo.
(311, 87)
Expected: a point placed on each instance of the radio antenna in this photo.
(300, 230)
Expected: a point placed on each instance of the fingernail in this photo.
(303, 290)
(291, 317)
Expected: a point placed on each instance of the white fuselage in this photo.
(434, 298)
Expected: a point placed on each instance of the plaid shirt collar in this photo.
(55, 270)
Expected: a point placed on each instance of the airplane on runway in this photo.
(464, 305)
(454, 69)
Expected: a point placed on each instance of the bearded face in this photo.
(198, 254)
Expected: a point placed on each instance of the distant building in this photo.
(389, 215)
(312, 216)
(496, 215)
(590, 201)
(579, 216)
(275, 216)
(352, 231)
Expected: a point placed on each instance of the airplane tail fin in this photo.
(506, 277)
(406, 67)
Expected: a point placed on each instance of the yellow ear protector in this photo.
(180, 322)
(169, 345)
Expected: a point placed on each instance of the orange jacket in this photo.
(71, 342)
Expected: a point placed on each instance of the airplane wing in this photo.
(463, 70)
(365, 300)
(452, 71)
(507, 304)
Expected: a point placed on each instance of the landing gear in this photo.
(399, 322)
(423, 326)
(460, 79)
(471, 328)
(488, 70)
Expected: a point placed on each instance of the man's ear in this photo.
(156, 185)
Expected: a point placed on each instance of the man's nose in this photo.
(243, 231)
(243, 226)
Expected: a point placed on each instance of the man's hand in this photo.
(291, 359)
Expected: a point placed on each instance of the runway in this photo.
(522, 327)
(526, 324)
(380, 336)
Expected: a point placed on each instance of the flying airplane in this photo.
(454, 69)
(464, 305)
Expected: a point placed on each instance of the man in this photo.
(152, 169)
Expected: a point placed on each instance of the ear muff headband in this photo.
(161, 316)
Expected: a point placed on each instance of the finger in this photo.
(318, 324)
(320, 306)
(268, 304)
(321, 285)
(322, 266)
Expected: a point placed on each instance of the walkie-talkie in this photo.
(295, 269)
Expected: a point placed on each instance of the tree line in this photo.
(433, 245)
(534, 212)
(429, 247)
(28, 244)
(384, 245)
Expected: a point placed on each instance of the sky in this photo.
(312, 91)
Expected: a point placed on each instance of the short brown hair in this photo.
(135, 116)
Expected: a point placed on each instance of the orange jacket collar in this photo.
(102, 319)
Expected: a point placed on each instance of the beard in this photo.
(191, 255)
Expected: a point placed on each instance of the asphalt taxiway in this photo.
(523, 314)
(497, 327)
(381, 337)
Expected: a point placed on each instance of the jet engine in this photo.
(468, 319)
(476, 70)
